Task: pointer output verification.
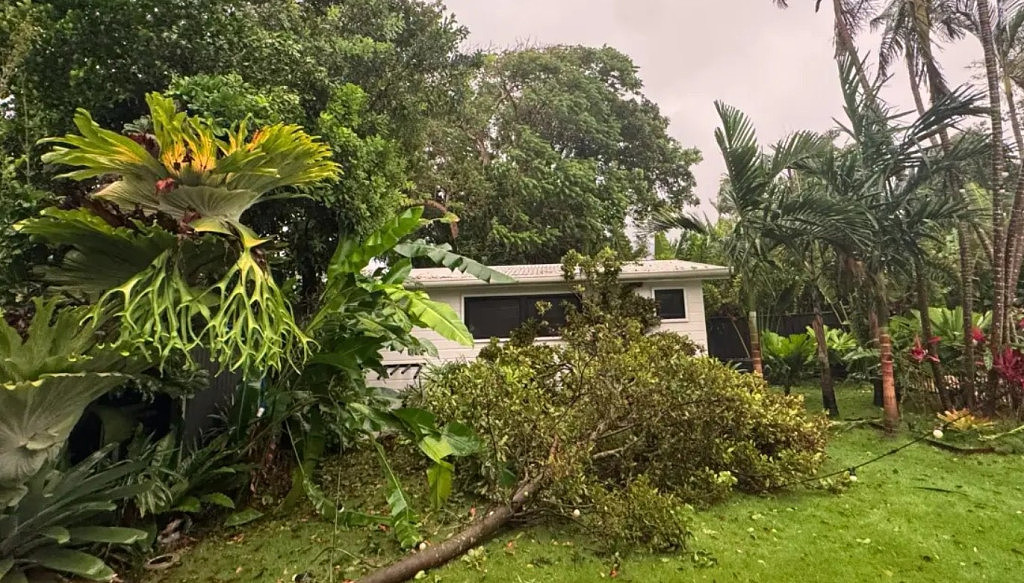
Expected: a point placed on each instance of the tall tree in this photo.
(883, 177)
(910, 27)
(558, 149)
(850, 18)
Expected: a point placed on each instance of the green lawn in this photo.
(921, 515)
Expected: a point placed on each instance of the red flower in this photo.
(164, 186)
(1010, 365)
(917, 352)
(977, 335)
(1020, 324)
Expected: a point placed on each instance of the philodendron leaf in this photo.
(74, 562)
(107, 534)
(218, 499)
(243, 517)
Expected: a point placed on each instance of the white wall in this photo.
(692, 326)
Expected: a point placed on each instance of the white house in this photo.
(491, 310)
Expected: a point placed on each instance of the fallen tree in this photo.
(629, 426)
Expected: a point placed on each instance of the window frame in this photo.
(686, 302)
(463, 297)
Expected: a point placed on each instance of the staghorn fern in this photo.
(205, 285)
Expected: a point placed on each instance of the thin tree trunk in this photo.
(890, 407)
(846, 45)
(1015, 232)
(473, 535)
(967, 387)
(755, 343)
(876, 335)
(828, 388)
(923, 305)
(997, 336)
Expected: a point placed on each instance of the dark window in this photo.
(671, 303)
(497, 316)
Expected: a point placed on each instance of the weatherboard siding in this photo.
(692, 326)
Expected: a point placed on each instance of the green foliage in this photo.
(789, 359)
(65, 514)
(596, 282)
(607, 406)
(840, 343)
(638, 516)
(187, 479)
(226, 99)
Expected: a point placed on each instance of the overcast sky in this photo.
(776, 65)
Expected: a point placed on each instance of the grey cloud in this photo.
(774, 64)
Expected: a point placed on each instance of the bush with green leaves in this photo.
(788, 359)
(612, 405)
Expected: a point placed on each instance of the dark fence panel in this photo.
(729, 339)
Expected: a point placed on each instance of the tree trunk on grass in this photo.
(999, 215)
(828, 389)
(476, 533)
(755, 343)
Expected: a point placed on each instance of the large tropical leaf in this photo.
(437, 316)
(443, 255)
(73, 562)
(403, 520)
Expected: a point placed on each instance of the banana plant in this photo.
(367, 307)
(160, 245)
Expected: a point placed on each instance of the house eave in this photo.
(633, 276)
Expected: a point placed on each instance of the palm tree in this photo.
(910, 27)
(986, 35)
(883, 176)
(850, 17)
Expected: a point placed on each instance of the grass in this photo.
(923, 514)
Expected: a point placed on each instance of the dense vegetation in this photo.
(234, 193)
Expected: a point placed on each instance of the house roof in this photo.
(649, 270)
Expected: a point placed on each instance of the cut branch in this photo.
(476, 533)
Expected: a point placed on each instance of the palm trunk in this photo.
(890, 407)
(846, 45)
(828, 389)
(967, 303)
(755, 343)
(997, 336)
(890, 404)
(939, 90)
(1015, 232)
(923, 304)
